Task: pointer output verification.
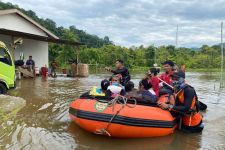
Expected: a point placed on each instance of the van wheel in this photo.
(3, 89)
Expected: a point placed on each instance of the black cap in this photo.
(169, 62)
(179, 74)
(104, 84)
(120, 61)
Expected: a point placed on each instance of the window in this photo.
(5, 57)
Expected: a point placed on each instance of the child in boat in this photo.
(130, 90)
(115, 88)
(129, 86)
(104, 85)
(145, 92)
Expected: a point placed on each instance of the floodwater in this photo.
(44, 122)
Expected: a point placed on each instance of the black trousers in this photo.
(193, 129)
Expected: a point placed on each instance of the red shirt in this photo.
(167, 77)
(155, 84)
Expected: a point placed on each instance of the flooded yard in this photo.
(44, 122)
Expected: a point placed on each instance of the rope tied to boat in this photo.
(123, 102)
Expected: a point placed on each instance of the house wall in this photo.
(17, 23)
(38, 50)
(7, 40)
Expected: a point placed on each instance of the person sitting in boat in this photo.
(129, 86)
(115, 88)
(166, 77)
(121, 71)
(131, 92)
(186, 104)
(104, 85)
(154, 80)
(145, 92)
(95, 91)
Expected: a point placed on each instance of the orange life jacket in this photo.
(193, 116)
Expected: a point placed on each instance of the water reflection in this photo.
(90, 141)
(44, 123)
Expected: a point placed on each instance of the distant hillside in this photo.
(195, 48)
(216, 45)
(101, 50)
(90, 40)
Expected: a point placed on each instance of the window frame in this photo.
(9, 59)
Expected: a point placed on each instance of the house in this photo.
(25, 37)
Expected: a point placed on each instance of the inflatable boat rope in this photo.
(123, 102)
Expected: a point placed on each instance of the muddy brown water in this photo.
(44, 122)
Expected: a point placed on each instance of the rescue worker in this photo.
(121, 71)
(166, 77)
(186, 104)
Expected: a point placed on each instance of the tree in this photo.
(149, 55)
(102, 51)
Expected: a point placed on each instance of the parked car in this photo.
(7, 69)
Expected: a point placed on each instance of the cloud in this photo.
(137, 22)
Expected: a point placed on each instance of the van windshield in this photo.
(5, 57)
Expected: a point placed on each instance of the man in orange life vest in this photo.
(186, 104)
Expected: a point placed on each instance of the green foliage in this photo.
(88, 39)
(141, 56)
(102, 51)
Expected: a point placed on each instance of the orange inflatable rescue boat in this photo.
(121, 117)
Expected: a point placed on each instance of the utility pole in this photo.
(177, 37)
(221, 75)
(154, 54)
(155, 64)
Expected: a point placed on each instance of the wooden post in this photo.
(77, 59)
(13, 47)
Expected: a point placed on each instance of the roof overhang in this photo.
(15, 11)
(38, 37)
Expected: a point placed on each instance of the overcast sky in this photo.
(137, 22)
